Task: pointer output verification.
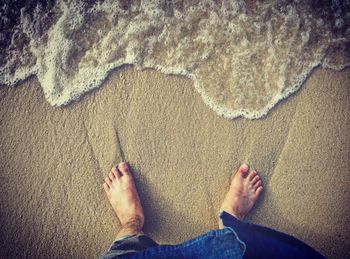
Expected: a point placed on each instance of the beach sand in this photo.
(53, 161)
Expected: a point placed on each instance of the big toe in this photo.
(124, 168)
(243, 170)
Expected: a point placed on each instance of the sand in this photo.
(53, 161)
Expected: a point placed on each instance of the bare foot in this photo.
(245, 189)
(122, 194)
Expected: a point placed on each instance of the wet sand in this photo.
(53, 161)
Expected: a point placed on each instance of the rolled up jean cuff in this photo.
(263, 242)
(129, 244)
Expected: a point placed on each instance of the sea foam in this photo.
(244, 56)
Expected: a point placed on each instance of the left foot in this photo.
(122, 194)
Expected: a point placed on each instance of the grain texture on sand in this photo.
(53, 161)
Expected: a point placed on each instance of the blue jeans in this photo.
(237, 240)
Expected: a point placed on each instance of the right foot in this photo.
(122, 194)
(244, 191)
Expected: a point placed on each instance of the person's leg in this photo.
(261, 242)
(122, 194)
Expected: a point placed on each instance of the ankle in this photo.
(131, 227)
(233, 213)
(238, 216)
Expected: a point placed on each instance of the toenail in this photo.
(244, 167)
(125, 165)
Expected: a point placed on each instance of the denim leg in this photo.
(220, 243)
(128, 245)
(263, 242)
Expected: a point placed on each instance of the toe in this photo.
(105, 187)
(243, 170)
(257, 184)
(124, 168)
(115, 172)
(111, 176)
(108, 181)
(255, 179)
(259, 190)
(251, 175)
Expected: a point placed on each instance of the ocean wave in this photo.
(244, 56)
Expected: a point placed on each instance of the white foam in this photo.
(243, 59)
